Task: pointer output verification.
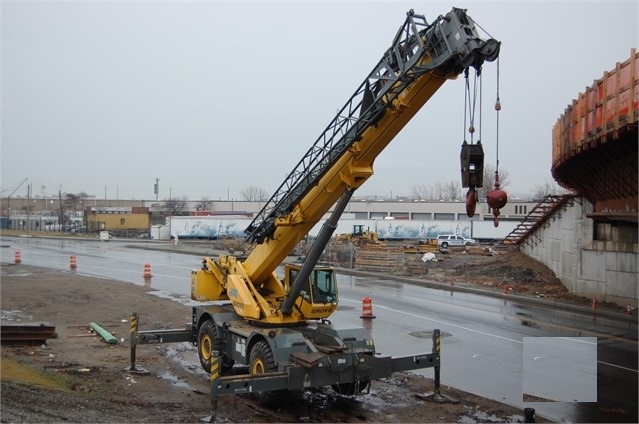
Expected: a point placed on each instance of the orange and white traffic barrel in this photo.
(147, 271)
(18, 257)
(367, 308)
(73, 264)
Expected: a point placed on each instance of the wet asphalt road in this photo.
(584, 366)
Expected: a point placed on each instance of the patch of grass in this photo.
(12, 370)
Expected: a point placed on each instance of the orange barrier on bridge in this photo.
(608, 106)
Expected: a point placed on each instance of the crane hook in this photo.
(471, 201)
(496, 199)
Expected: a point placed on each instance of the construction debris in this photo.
(108, 337)
(31, 334)
(429, 256)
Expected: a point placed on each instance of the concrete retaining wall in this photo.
(606, 270)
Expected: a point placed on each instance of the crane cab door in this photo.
(318, 298)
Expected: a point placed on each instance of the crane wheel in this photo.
(350, 389)
(262, 361)
(209, 341)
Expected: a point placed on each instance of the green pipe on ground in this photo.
(108, 337)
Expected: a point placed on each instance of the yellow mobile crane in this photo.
(279, 327)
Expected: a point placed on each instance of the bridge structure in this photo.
(591, 241)
(595, 144)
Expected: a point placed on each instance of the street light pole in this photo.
(28, 207)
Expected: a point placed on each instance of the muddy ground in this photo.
(78, 377)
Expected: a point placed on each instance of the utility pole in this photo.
(61, 223)
(28, 206)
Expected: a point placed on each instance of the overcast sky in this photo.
(211, 97)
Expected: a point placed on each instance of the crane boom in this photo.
(421, 58)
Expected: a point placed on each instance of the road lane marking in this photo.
(617, 366)
(443, 323)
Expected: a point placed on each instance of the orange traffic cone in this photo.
(18, 257)
(506, 287)
(367, 308)
(147, 271)
(72, 262)
(594, 303)
(629, 310)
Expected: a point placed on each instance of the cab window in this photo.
(323, 286)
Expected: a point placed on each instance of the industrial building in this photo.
(43, 214)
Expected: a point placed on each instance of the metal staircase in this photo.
(545, 209)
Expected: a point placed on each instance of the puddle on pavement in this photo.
(184, 355)
(173, 379)
(16, 274)
(14, 315)
(175, 297)
(483, 417)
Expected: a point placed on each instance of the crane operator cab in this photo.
(318, 298)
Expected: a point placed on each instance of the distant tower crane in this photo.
(12, 193)
(18, 187)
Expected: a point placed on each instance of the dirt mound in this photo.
(492, 269)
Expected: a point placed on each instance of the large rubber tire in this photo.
(208, 341)
(262, 360)
(350, 389)
(445, 245)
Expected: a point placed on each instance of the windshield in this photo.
(323, 286)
